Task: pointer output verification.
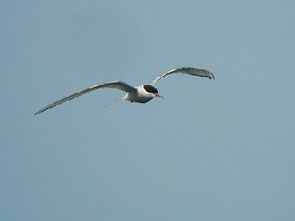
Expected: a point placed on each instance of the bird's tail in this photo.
(115, 101)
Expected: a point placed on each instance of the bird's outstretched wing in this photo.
(186, 70)
(114, 84)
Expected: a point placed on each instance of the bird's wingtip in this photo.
(212, 77)
(38, 112)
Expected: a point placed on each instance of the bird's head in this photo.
(150, 89)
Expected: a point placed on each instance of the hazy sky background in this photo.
(211, 150)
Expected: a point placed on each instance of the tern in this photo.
(139, 94)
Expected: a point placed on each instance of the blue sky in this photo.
(211, 150)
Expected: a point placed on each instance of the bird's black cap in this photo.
(150, 89)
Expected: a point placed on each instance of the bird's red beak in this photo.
(159, 95)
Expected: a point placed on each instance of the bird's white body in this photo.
(139, 94)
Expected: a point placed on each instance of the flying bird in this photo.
(139, 94)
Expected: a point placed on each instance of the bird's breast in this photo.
(137, 97)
